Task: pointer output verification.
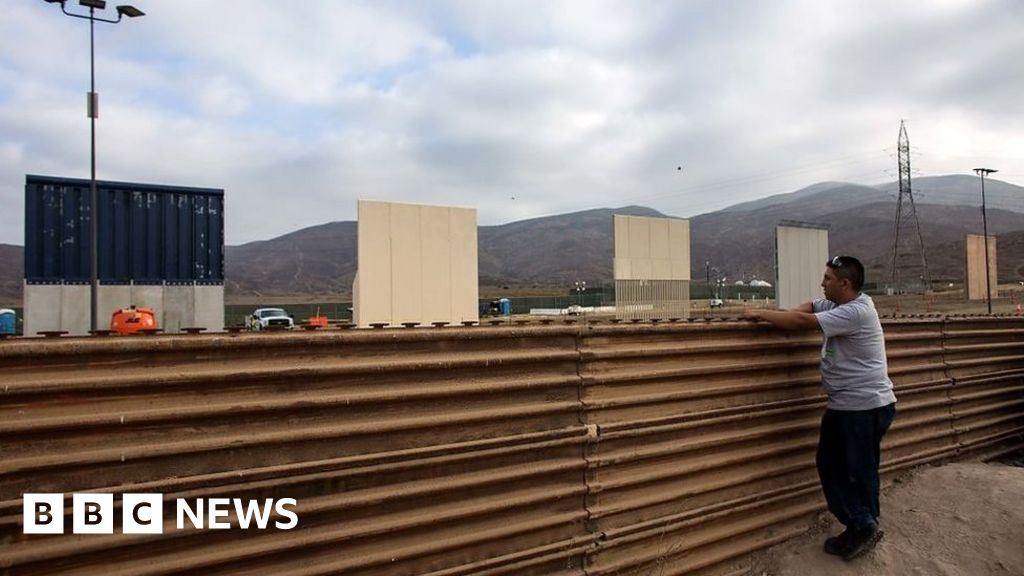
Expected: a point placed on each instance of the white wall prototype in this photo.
(801, 251)
(416, 263)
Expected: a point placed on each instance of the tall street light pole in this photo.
(707, 277)
(581, 287)
(92, 108)
(984, 222)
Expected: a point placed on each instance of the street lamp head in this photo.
(985, 171)
(97, 4)
(129, 11)
(55, 1)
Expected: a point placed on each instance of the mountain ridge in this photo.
(553, 251)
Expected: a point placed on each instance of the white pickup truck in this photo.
(265, 318)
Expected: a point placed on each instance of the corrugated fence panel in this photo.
(675, 448)
(706, 439)
(408, 452)
(705, 443)
(986, 360)
(923, 428)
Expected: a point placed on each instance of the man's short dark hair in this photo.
(850, 268)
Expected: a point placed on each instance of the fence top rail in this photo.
(20, 348)
(88, 345)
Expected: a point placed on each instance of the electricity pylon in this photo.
(906, 214)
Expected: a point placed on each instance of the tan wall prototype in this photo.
(801, 253)
(651, 248)
(974, 253)
(417, 263)
(652, 267)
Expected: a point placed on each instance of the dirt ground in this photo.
(960, 519)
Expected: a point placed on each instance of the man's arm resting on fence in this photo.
(799, 318)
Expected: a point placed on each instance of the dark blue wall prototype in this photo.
(147, 233)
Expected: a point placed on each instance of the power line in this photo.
(971, 156)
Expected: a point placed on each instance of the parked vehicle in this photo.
(265, 318)
(716, 303)
(132, 320)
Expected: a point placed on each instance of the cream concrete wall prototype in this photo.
(66, 306)
(417, 263)
(652, 267)
(801, 251)
(974, 267)
(651, 248)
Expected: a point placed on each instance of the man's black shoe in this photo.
(835, 544)
(861, 541)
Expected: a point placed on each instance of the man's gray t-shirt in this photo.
(853, 366)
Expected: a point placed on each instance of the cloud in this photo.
(297, 110)
(300, 53)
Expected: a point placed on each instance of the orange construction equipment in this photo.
(132, 320)
(317, 319)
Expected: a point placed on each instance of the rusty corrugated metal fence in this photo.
(599, 449)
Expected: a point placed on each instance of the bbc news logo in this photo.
(93, 513)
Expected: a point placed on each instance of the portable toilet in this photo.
(8, 321)
(505, 306)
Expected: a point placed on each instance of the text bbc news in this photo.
(94, 513)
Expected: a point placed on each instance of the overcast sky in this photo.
(517, 108)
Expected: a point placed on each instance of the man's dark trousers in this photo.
(848, 456)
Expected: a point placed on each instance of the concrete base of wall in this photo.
(208, 307)
(179, 309)
(66, 307)
(147, 296)
(112, 299)
(42, 308)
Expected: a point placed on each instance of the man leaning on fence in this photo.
(861, 403)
